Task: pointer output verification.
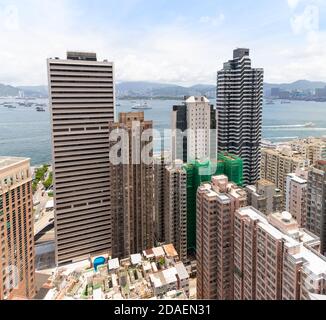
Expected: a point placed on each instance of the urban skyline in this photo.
(184, 200)
(113, 198)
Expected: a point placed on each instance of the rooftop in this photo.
(272, 231)
(135, 277)
(252, 213)
(158, 252)
(86, 56)
(194, 99)
(170, 275)
(114, 264)
(285, 152)
(224, 198)
(284, 218)
(297, 179)
(136, 259)
(6, 162)
(240, 52)
(315, 263)
(181, 271)
(170, 251)
(265, 183)
(49, 204)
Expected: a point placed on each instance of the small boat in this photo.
(9, 106)
(118, 105)
(270, 102)
(285, 102)
(268, 144)
(40, 109)
(143, 106)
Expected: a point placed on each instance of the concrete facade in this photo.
(216, 203)
(81, 93)
(175, 213)
(265, 197)
(296, 196)
(17, 250)
(132, 186)
(316, 202)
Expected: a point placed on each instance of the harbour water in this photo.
(24, 132)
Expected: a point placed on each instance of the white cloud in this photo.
(212, 21)
(308, 21)
(10, 18)
(293, 3)
(177, 52)
(169, 53)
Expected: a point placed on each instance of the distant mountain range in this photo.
(149, 89)
(297, 85)
(35, 90)
(155, 90)
(141, 89)
(27, 91)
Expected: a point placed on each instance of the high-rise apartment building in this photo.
(296, 195)
(313, 149)
(132, 186)
(159, 197)
(216, 204)
(196, 119)
(82, 106)
(316, 202)
(265, 197)
(175, 213)
(276, 164)
(274, 259)
(17, 266)
(199, 172)
(240, 108)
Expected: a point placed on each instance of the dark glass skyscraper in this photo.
(239, 108)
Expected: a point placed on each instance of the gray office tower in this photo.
(82, 106)
(239, 108)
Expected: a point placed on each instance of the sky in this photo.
(181, 41)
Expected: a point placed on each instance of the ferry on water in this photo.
(143, 106)
(269, 102)
(9, 106)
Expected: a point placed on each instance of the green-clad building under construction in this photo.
(199, 172)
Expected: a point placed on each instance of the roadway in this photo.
(42, 218)
(46, 219)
